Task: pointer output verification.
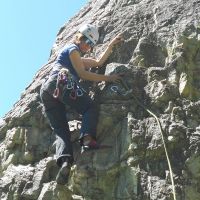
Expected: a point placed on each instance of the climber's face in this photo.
(83, 42)
(84, 47)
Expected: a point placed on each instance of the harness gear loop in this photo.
(116, 90)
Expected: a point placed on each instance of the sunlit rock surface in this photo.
(161, 59)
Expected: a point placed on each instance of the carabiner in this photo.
(70, 85)
(115, 89)
(79, 92)
(56, 93)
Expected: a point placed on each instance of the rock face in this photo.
(161, 58)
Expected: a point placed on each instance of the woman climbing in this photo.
(62, 88)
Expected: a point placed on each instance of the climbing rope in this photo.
(129, 91)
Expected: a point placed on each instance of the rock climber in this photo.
(62, 88)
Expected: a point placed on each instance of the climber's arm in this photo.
(85, 75)
(90, 62)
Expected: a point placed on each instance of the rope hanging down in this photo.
(129, 91)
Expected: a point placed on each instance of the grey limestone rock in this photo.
(160, 57)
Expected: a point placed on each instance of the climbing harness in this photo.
(129, 91)
(65, 81)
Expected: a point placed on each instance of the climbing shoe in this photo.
(93, 145)
(63, 174)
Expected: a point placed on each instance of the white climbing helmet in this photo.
(90, 32)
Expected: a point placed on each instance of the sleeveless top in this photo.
(63, 61)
